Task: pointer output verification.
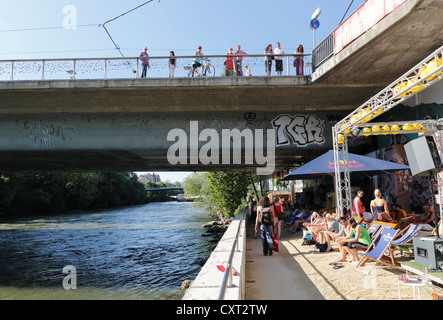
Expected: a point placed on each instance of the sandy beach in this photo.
(316, 277)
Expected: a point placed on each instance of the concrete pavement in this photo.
(276, 277)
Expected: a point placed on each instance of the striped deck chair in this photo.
(378, 253)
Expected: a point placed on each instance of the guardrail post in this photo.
(289, 66)
(12, 71)
(43, 69)
(136, 73)
(106, 69)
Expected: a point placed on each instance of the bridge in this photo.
(164, 188)
(121, 123)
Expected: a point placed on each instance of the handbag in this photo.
(275, 243)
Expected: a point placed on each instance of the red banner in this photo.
(367, 16)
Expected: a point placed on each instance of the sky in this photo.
(179, 25)
(40, 29)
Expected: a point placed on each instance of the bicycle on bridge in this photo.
(206, 70)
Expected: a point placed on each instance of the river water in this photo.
(139, 252)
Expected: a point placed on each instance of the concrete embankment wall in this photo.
(208, 282)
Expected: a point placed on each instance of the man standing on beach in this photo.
(238, 62)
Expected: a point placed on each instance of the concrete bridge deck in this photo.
(179, 95)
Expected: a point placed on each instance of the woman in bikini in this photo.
(379, 208)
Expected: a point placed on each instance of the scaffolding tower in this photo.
(426, 73)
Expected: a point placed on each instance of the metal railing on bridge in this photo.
(127, 68)
(323, 51)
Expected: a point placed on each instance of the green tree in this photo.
(196, 186)
(228, 189)
(224, 191)
(50, 192)
(81, 189)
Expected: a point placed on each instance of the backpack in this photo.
(266, 216)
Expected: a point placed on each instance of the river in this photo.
(139, 252)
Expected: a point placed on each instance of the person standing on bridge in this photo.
(144, 60)
(197, 63)
(238, 62)
(171, 64)
(229, 64)
(279, 59)
(298, 60)
(265, 216)
(268, 59)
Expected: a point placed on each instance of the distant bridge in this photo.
(164, 188)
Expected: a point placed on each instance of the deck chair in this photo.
(411, 231)
(436, 296)
(437, 229)
(406, 235)
(378, 253)
(374, 229)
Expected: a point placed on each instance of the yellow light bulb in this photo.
(395, 128)
(375, 129)
(385, 129)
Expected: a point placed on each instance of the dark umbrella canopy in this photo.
(324, 165)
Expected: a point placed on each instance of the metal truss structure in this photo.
(423, 75)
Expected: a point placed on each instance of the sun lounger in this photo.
(378, 253)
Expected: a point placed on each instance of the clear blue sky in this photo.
(179, 25)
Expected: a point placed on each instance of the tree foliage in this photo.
(34, 193)
(224, 191)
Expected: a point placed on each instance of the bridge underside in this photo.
(123, 125)
(136, 161)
